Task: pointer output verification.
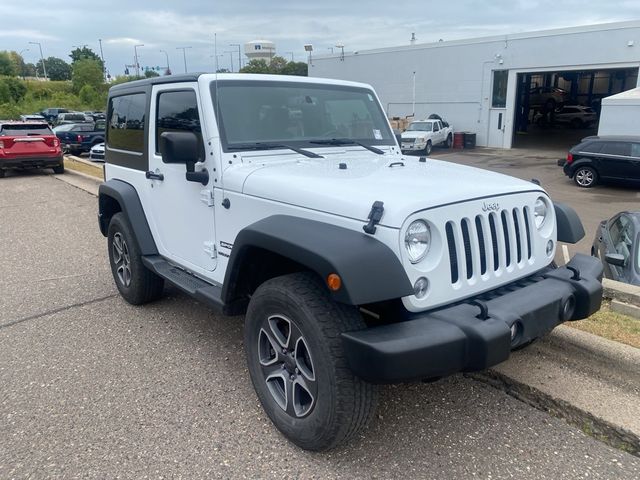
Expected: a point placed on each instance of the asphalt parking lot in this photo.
(93, 387)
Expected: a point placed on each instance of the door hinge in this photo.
(206, 197)
(210, 249)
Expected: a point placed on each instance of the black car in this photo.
(77, 138)
(609, 158)
(617, 244)
(51, 114)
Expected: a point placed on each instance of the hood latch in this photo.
(377, 209)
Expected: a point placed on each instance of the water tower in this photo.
(260, 50)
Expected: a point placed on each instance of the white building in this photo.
(260, 50)
(493, 86)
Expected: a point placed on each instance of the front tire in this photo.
(585, 177)
(135, 282)
(428, 148)
(298, 366)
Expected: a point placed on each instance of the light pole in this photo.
(216, 60)
(184, 56)
(239, 54)
(44, 67)
(167, 56)
(23, 50)
(330, 48)
(309, 48)
(135, 53)
(104, 67)
(230, 58)
(341, 47)
(291, 53)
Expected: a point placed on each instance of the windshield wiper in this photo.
(272, 146)
(346, 141)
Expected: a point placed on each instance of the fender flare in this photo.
(127, 198)
(370, 271)
(570, 229)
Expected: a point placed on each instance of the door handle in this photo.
(154, 175)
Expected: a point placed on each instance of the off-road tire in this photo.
(59, 169)
(143, 285)
(428, 148)
(344, 404)
(585, 177)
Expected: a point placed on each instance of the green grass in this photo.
(614, 326)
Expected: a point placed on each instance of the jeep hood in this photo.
(321, 185)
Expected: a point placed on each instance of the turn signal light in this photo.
(334, 282)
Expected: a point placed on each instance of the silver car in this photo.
(96, 154)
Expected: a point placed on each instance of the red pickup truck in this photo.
(26, 145)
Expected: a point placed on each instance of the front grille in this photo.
(408, 140)
(487, 243)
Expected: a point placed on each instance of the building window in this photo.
(257, 47)
(499, 96)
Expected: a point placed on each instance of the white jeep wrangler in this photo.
(287, 199)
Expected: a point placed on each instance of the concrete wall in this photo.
(453, 78)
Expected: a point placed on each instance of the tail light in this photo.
(6, 142)
(569, 157)
(79, 138)
(1, 144)
(56, 142)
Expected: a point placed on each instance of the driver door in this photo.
(182, 213)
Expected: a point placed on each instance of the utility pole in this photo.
(135, 52)
(23, 62)
(44, 67)
(184, 56)
(239, 54)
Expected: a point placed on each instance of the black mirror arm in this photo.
(201, 176)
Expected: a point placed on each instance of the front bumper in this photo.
(22, 163)
(477, 333)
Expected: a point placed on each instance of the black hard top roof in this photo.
(185, 77)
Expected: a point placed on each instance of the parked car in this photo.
(617, 244)
(32, 118)
(51, 114)
(576, 116)
(26, 145)
(96, 153)
(548, 97)
(73, 117)
(421, 135)
(95, 115)
(77, 138)
(611, 157)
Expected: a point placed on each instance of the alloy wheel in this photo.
(121, 259)
(584, 177)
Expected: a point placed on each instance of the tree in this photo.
(84, 53)
(223, 70)
(57, 69)
(18, 62)
(88, 94)
(256, 66)
(277, 65)
(86, 72)
(151, 73)
(16, 87)
(30, 70)
(7, 67)
(296, 68)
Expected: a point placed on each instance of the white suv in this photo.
(288, 200)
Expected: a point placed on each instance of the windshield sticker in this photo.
(377, 135)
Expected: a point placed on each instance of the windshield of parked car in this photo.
(65, 128)
(25, 129)
(420, 127)
(259, 113)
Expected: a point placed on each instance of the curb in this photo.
(71, 162)
(622, 292)
(80, 180)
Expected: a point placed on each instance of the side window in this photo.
(593, 147)
(436, 127)
(635, 150)
(125, 122)
(177, 112)
(617, 148)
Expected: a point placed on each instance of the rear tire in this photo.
(297, 362)
(135, 282)
(585, 177)
(449, 141)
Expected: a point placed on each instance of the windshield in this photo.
(297, 114)
(420, 127)
(64, 128)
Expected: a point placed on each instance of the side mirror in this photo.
(184, 147)
(615, 259)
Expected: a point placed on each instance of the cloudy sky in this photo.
(359, 25)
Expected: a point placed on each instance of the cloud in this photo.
(26, 34)
(123, 41)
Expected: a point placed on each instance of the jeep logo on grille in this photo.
(490, 207)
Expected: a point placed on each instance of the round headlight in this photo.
(540, 212)
(417, 240)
